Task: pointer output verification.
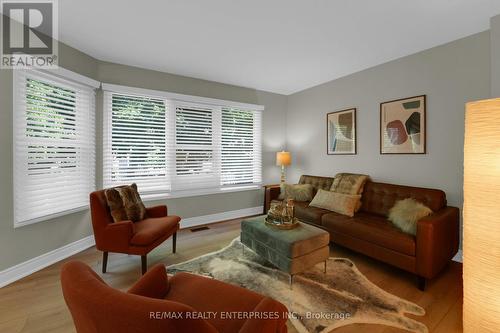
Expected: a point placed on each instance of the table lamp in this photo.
(481, 240)
(283, 159)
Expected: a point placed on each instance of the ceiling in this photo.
(281, 46)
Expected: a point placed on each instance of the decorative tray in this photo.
(280, 225)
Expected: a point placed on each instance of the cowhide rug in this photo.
(318, 302)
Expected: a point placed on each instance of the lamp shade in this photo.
(481, 240)
(283, 158)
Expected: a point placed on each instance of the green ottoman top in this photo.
(291, 243)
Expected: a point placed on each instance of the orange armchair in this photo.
(129, 237)
(158, 303)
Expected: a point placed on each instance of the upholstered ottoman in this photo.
(292, 251)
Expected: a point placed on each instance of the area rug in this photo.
(318, 302)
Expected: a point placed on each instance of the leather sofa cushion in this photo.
(309, 214)
(371, 228)
(150, 229)
(379, 198)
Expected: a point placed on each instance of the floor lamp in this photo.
(481, 241)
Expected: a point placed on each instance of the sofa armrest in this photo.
(117, 236)
(272, 193)
(273, 317)
(153, 284)
(157, 211)
(437, 241)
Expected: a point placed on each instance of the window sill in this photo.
(50, 217)
(194, 193)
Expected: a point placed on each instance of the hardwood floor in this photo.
(36, 304)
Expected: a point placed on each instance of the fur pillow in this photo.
(344, 204)
(298, 192)
(115, 204)
(406, 213)
(125, 203)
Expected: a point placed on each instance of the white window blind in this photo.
(196, 146)
(54, 146)
(171, 146)
(241, 147)
(135, 142)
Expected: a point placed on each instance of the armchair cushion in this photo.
(150, 229)
(210, 295)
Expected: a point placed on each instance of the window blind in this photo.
(196, 146)
(241, 147)
(135, 142)
(54, 146)
(166, 145)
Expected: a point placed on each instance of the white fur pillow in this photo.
(406, 213)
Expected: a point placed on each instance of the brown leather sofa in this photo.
(369, 232)
(98, 308)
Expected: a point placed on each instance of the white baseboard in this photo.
(233, 214)
(31, 266)
(28, 267)
(458, 256)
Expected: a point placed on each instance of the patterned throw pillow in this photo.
(115, 204)
(125, 203)
(349, 183)
(406, 213)
(344, 204)
(297, 192)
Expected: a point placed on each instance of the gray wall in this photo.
(495, 55)
(450, 75)
(21, 244)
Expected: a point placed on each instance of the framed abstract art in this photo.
(341, 132)
(402, 126)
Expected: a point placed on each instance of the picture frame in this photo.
(341, 132)
(403, 126)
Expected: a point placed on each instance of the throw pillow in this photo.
(344, 204)
(348, 183)
(297, 192)
(115, 204)
(128, 206)
(136, 211)
(406, 213)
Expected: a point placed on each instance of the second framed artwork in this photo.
(402, 126)
(341, 132)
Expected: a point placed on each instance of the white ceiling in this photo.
(281, 46)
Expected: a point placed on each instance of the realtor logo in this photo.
(29, 34)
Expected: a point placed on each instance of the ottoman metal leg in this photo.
(325, 267)
(290, 281)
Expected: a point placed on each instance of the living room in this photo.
(194, 166)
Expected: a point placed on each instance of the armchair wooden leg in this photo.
(104, 261)
(144, 264)
(174, 242)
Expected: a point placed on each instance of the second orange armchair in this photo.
(137, 238)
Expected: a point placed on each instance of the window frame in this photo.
(65, 78)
